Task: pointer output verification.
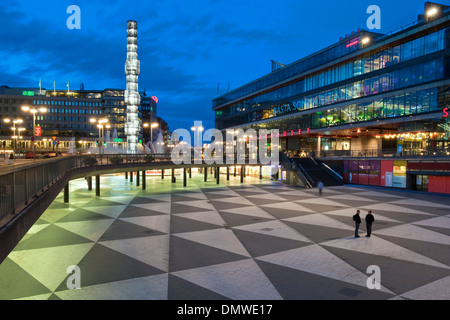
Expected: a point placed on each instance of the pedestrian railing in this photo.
(19, 184)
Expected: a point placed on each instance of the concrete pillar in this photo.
(184, 177)
(205, 172)
(162, 174)
(173, 175)
(190, 173)
(260, 172)
(126, 175)
(97, 186)
(89, 182)
(319, 146)
(144, 176)
(131, 176)
(66, 193)
(137, 179)
(217, 175)
(234, 172)
(242, 174)
(228, 173)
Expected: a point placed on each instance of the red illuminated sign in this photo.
(155, 99)
(445, 115)
(353, 43)
(37, 131)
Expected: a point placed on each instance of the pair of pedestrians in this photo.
(369, 220)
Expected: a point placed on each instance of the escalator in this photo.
(318, 171)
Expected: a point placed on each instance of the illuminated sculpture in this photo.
(132, 97)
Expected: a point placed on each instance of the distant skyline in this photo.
(189, 50)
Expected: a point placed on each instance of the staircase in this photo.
(318, 171)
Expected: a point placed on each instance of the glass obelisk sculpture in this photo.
(132, 97)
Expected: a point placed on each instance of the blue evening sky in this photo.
(189, 49)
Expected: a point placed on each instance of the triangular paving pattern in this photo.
(261, 240)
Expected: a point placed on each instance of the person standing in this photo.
(357, 220)
(320, 186)
(369, 220)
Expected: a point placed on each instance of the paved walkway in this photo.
(257, 241)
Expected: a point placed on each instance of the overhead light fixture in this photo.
(432, 12)
(365, 40)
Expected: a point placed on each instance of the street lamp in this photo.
(101, 124)
(33, 111)
(151, 125)
(14, 122)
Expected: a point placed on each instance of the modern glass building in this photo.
(370, 94)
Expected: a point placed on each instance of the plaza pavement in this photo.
(261, 240)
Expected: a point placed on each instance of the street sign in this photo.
(38, 131)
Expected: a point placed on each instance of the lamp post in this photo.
(101, 124)
(14, 122)
(151, 125)
(33, 111)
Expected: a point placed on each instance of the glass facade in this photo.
(416, 62)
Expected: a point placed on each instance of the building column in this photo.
(228, 173)
(131, 176)
(66, 193)
(162, 174)
(242, 174)
(97, 186)
(260, 172)
(144, 176)
(190, 173)
(184, 177)
(89, 182)
(137, 179)
(173, 175)
(319, 146)
(217, 175)
(205, 172)
(126, 175)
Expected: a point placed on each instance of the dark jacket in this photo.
(357, 218)
(370, 219)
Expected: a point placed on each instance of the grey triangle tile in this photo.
(180, 289)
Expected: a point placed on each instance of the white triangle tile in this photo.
(49, 265)
(212, 217)
(163, 207)
(377, 246)
(321, 220)
(416, 202)
(110, 211)
(278, 229)
(92, 229)
(379, 194)
(440, 222)
(159, 223)
(237, 200)
(392, 208)
(159, 197)
(153, 250)
(288, 206)
(350, 197)
(193, 195)
(349, 212)
(267, 196)
(250, 211)
(145, 288)
(218, 238)
(317, 260)
(324, 201)
(295, 193)
(239, 280)
(437, 290)
(409, 231)
(203, 204)
(121, 199)
(225, 192)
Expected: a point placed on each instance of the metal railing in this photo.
(19, 184)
